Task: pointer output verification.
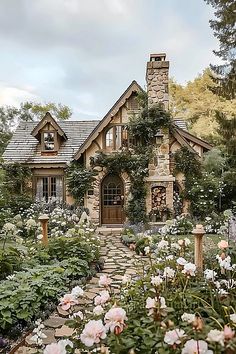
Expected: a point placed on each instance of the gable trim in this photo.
(134, 86)
(48, 119)
(181, 140)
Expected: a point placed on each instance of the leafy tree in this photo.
(224, 30)
(196, 103)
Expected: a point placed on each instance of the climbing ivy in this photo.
(142, 129)
(79, 180)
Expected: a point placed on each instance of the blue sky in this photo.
(84, 53)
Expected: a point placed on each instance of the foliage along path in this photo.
(118, 260)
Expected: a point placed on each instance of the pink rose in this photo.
(115, 320)
(223, 244)
(67, 301)
(104, 281)
(228, 332)
(58, 348)
(93, 332)
(102, 298)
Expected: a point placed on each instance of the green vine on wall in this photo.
(79, 180)
(142, 129)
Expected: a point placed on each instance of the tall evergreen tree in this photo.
(225, 31)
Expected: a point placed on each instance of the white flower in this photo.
(10, 277)
(181, 261)
(210, 274)
(175, 245)
(233, 317)
(39, 237)
(162, 302)
(162, 244)
(216, 336)
(170, 257)
(196, 347)
(189, 269)
(93, 332)
(187, 241)
(188, 317)
(77, 291)
(126, 279)
(174, 336)
(224, 263)
(156, 280)
(31, 223)
(77, 314)
(98, 310)
(147, 250)
(169, 272)
(58, 348)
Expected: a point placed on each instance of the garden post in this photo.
(44, 223)
(198, 233)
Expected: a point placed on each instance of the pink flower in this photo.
(174, 336)
(193, 346)
(104, 281)
(223, 244)
(58, 348)
(67, 301)
(115, 320)
(93, 332)
(102, 298)
(228, 332)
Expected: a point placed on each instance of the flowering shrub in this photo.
(171, 307)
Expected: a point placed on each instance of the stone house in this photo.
(47, 147)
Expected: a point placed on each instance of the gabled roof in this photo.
(133, 87)
(24, 148)
(185, 134)
(181, 123)
(48, 119)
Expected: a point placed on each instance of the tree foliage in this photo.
(196, 103)
(224, 30)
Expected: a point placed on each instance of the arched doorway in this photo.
(112, 200)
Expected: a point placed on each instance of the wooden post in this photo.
(198, 233)
(44, 223)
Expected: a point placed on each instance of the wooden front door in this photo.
(112, 200)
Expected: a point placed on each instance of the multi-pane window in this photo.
(49, 141)
(112, 194)
(117, 137)
(49, 188)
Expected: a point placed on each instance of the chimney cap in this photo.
(158, 57)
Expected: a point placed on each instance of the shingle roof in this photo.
(181, 123)
(25, 148)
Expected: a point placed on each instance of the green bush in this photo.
(10, 261)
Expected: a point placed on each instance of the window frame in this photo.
(43, 141)
(49, 183)
(115, 128)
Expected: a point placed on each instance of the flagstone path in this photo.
(118, 260)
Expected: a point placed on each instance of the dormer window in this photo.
(49, 135)
(49, 141)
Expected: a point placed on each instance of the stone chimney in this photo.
(157, 77)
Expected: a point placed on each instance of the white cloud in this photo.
(13, 96)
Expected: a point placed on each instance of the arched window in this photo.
(117, 137)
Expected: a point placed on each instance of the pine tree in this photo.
(225, 31)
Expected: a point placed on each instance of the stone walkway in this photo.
(118, 260)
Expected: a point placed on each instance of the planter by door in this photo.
(112, 200)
